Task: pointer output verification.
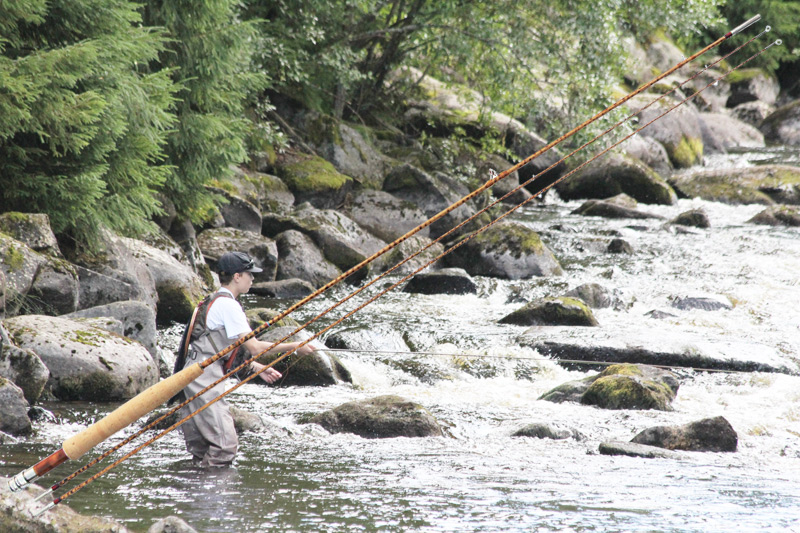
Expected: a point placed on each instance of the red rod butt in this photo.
(30, 475)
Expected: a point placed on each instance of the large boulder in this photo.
(766, 184)
(267, 192)
(385, 215)
(648, 151)
(237, 212)
(561, 311)
(138, 322)
(216, 241)
(54, 290)
(431, 193)
(750, 85)
(33, 229)
(707, 435)
(721, 132)
(508, 250)
(593, 294)
(621, 387)
(313, 179)
(381, 417)
(679, 131)
(299, 257)
(23, 368)
(179, 288)
(610, 209)
(617, 174)
(14, 414)
(783, 125)
(85, 362)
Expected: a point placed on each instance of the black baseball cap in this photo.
(233, 262)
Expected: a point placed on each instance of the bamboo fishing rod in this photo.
(171, 428)
(155, 423)
(146, 401)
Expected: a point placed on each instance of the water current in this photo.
(296, 477)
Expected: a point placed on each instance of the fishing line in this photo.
(383, 275)
(378, 295)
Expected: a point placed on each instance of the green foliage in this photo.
(81, 125)
(209, 56)
(784, 19)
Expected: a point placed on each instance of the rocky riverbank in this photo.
(84, 327)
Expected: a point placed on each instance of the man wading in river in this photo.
(217, 323)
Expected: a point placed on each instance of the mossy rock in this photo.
(560, 311)
(315, 180)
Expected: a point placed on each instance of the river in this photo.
(296, 477)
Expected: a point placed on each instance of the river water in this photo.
(296, 477)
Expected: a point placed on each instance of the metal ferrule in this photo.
(741, 27)
(42, 510)
(22, 479)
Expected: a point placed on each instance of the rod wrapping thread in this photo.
(130, 411)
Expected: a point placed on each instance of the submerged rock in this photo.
(561, 311)
(695, 218)
(636, 450)
(444, 281)
(764, 184)
(778, 216)
(382, 417)
(545, 431)
(621, 387)
(707, 435)
(606, 209)
(595, 295)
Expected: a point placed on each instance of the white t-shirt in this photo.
(227, 312)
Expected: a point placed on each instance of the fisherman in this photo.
(218, 322)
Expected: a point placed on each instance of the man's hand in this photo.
(269, 375)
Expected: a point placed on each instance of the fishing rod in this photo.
(146, 401)
(372, 299)
(304, 326)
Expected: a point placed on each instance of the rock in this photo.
(16, 517)
(721, 132)
(18, 270)
(32, 229)
(444, 281)
(54, 290)
(183, 234)
(620, 246)
(750, 85)
(413, 253)
(23, 368)
(648, 151)
(507, 250)
(369, 338)
(138, 322)
(285, 288)
(707, 435)
(299, 258)
(636, 450)
(695, 218)
(595, 295)
(752, 113)
(85, 363)
(171, 524)
(705, 304)
(14, 414)
(237, 212)
(384, 215)
(267, 192)
(678, 131)
(783, 125)
(766, 184)
(552, 312)
(177, 285)
(216, 241)
(244, 420)
(621, 387)
(381, 417)
(543, 431)
(505, 185)
(114, 275)
(616, 174)
(431, 193)
(778, 216)
(605, 209)
(314, 180)
(649, 347)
